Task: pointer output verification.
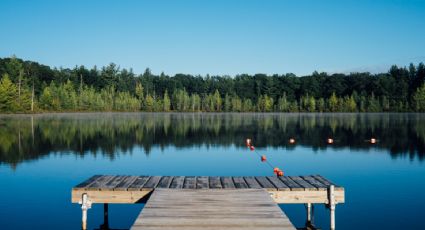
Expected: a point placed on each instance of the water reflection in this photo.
(29, 137)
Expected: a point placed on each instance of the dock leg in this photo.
(310, 216)
(308, 222)
(85, 205)
(332, 206)
(105, 224)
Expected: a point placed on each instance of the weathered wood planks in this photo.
(134, 183)
(286, 189)
(212, 209)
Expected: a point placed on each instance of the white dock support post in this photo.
(308, 214)
(85, 205)
(332, 205)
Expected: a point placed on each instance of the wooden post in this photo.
(85, 205)
(332, 206)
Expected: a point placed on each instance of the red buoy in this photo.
(263, 158)
(330, 141)
(280, 173)
(252, 148)
(275, 170)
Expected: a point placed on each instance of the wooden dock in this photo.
(201, 196)
(211, 209)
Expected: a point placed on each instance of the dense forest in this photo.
(28, 86)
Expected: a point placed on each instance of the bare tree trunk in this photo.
(19, 87)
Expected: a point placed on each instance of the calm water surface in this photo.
(43, 156)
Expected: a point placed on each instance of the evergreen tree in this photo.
(167, 102)
(373, 105)
(333, 103)
(149, 103)
(227, 103)
(217, 101)
(8, 94)
(419, 99)
(350, 104)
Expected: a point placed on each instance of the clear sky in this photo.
(216, 37)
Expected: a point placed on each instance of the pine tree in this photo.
(8, 95)
(149, 103)
(333, 103)
(419, 99)
(167, 102)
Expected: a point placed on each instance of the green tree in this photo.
(350, 104)
(236, 104)
(373, 105)
(46, 99)
(311, 104)
(217, 101)
(8, 93)
(283, 104)
(419, 99)
(167, 102)
(247, 105)
(195, 102)
(227, 103)
(149, 103)
(321, 105)
(333, 103)
(139, 93)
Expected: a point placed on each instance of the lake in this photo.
(43, 156)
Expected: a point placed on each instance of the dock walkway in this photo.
(308, 190)
(211, 209)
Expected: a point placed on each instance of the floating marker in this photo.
(372, 140)
(252, 148)
(291, 141)
(248, 142)
(263, 158)
(330, 141)
(275, 170)
(280, 173)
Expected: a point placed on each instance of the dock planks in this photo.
(131, 189)
(212, 209)
(272, 183)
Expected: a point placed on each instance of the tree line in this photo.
(28, 86)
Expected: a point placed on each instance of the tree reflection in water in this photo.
(29, 137)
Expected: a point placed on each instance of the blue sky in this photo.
(216, 37)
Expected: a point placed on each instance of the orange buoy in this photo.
(252, 148)
(263, 158)
(280, 173)
(372, 140)
(248, 142)
(275, 170)
(330, 141)
(291, 141)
